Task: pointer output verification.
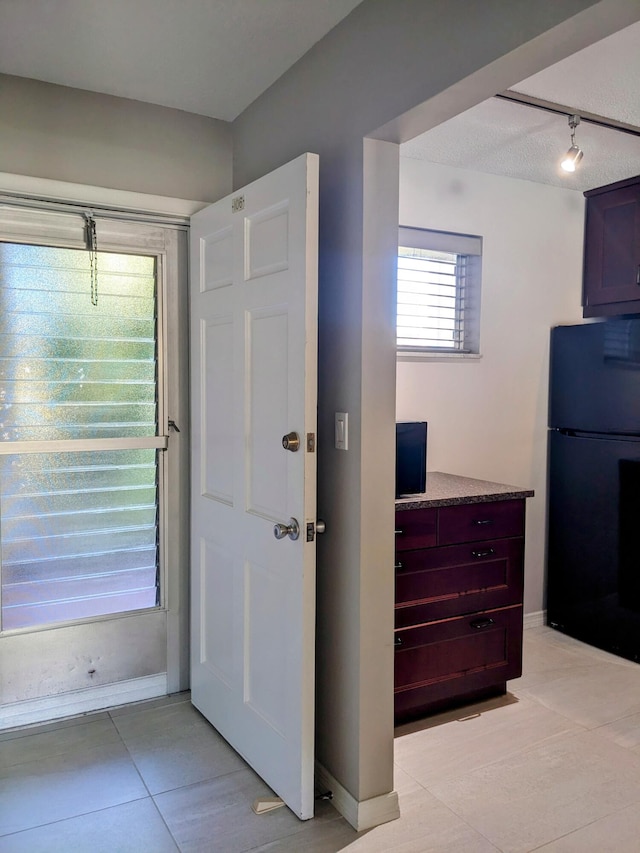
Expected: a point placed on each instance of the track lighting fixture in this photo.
(574, 154)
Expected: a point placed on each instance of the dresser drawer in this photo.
(416, 528)
(439, 582)
(446, 660)
(477, 522)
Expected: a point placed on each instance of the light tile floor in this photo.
(552, 766)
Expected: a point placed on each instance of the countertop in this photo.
(450, 489)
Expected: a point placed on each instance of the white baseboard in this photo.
(535, 620)
(82, 701)
(361, 815)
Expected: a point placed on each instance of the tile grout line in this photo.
(71, 817)
(149, 794)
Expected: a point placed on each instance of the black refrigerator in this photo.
(594, 484)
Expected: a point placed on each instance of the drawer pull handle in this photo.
(488, 552)
(485, 622)
(397, 642)
(482, 521)
(399, 566)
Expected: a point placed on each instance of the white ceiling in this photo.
(504, 138)
(212, 57)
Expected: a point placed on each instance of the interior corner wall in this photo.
(488, 417)
(385, 58)
(355, 620)
(377, 398)
(64, 134)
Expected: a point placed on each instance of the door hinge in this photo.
(237, 204)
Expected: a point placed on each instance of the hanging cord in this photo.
(92, 246)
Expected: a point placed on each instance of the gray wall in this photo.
(392, 69)
(55, 132)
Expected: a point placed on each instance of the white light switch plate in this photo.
(342, 430)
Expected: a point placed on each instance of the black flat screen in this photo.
(411, 458)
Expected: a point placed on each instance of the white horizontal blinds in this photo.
(432, 289)
(428, 303)
(79, 526)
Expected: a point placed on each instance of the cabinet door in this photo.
(612, 249)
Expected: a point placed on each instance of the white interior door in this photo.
(254, 368)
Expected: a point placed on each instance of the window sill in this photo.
(402, 355)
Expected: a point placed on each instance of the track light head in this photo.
(572, 158)
(575, 154)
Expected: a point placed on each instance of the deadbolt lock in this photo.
(291, 441)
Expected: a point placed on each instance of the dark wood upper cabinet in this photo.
(612, 250)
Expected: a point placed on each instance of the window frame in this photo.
(470, 247)
(36, 221)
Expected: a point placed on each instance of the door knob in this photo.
(292, 530)
(291, 441)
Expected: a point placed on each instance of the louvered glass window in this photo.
(78, 404)
(438, 292)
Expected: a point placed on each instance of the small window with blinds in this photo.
(438, 307)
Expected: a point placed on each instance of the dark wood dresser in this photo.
(459, 584)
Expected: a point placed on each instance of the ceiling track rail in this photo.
(561, 109)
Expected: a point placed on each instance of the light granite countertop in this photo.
(450, 489)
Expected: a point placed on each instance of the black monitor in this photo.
(411, 458)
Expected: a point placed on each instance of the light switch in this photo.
(342, 430)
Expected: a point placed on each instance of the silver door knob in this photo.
(292, 530)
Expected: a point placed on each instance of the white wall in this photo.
(488, 418)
